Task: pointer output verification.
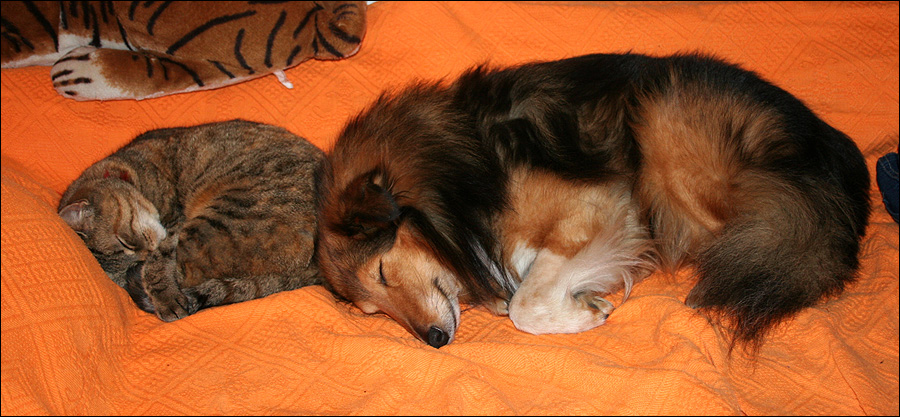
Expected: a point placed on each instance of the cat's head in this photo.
(117, 223)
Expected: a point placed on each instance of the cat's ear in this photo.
(78, 215)
(368, 207)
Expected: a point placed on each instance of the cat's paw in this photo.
(173, 305)
(162, 278)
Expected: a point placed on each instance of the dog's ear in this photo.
(369, 207)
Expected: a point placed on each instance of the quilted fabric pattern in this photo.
(73, 343)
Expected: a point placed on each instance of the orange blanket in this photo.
(74, 343)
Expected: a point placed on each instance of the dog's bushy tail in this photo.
(796, 246)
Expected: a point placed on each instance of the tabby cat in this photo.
(194, 217)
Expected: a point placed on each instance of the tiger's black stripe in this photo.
(292, 55)
(91, 22)
(186, 69)
(328, 47)
(60, 74)
(239, 40)
(155, 16)
(80, 80)
(85, 14)
(103, 7)
(206, 26)
(149, 66)
(132, 9)
(12, 41)
(272, 35)
(344, 6)
(73, 9)
(165, 71)
(123, 34)
(222, 68)
(305, 20)
(18, 39)
(63, 21)
(45, 24)
(344, 36)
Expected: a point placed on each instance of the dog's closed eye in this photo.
(381, 278)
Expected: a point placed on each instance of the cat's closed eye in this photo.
(128, 247)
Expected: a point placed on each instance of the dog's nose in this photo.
(437, 337)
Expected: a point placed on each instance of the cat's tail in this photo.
(219, 291)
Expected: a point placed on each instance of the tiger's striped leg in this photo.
(88, 73)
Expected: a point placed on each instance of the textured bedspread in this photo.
(73, 342)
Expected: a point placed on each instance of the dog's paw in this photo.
(594, 301)
(542, 313)
(498, 306)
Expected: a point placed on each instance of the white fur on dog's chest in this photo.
(522, 258)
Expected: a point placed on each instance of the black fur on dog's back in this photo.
(582, 120)
(774, 227)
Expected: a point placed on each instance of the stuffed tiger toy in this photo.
(108, 50)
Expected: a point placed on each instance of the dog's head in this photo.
(406, 199)
(372, 255)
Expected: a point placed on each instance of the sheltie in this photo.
(539, 189)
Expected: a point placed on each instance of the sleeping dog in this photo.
(537, 190)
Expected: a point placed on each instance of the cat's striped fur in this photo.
(195, 217)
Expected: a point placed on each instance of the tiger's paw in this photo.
(80, 75)
(89, 73)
